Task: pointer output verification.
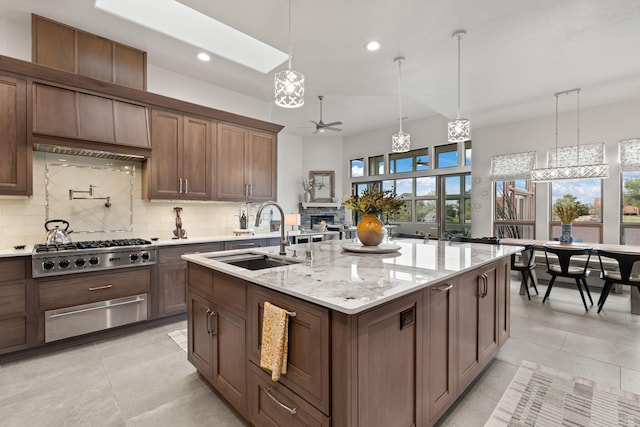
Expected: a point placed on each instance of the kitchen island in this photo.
(377, 339)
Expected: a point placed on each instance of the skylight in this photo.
(190, 26)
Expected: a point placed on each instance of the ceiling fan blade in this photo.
(315, 123)
(333, 129)
(333, 124)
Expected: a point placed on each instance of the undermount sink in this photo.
(252, 261)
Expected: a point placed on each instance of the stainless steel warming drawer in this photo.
(97, 316)
(69, 291)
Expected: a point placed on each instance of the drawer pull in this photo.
(442, 288)
(101, 287)
(101, 307)
(246, 244)
(292, 411)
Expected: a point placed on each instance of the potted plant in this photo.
(373, 202)
(567, 209)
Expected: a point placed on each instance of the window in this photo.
(415, 160)
(588, 192)
(376, 165)
(515, 209)
(457, 204)
(356, 167)
(467, 153)
(630, 221)
(447, 156)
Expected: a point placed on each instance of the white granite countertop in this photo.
(353, 282)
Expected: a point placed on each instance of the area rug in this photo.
(542, 396)
(180, 338)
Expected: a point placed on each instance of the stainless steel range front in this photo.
(86, 287)
(82, 257)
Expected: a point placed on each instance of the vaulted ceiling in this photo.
(516, 55)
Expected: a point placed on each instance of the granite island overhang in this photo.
(351, 282)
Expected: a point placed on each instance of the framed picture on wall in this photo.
(323, 185)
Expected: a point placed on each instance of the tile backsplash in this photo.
(22, 219)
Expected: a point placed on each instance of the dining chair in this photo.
(623, 275)
(564, 269)
(525, 265)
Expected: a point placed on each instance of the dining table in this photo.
(629, 249)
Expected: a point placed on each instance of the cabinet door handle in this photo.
(215, 322)
(246, 244)
(250, 190)
(485, 287)
(101, 287)
(443, 288)
(206, 321)
(186, 185)
(292, 411)
(180, 180)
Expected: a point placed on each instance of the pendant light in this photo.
(289, 84)
(459, 130)
(572, 162)
(401, 141)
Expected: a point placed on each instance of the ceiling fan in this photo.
(322, 126)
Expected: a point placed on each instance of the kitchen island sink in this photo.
(254, 261)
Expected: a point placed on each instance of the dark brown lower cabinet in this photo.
(390, 367)
(440, 346)
(272, 404)
(13, 304)
(477, 322)
(217, 334)
(403, 363)
(172, 276)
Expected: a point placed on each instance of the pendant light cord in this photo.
(578, 125)
(567, 92)
(290, 50)
(400, 90)
(458, 36)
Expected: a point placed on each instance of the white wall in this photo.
(323, 153)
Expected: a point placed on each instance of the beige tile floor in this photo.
(144, 379)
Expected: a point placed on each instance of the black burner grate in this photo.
(91, 244)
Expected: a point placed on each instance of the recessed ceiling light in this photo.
(202, 56)
(181, 22)
(373, 45)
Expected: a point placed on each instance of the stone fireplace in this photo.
(314, 215)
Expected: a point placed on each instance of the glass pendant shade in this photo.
(459, 130)
(400, 142)
(570, 172)
(289, 88)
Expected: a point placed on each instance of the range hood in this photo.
(77, 151)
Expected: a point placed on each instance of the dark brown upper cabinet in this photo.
(66, 48)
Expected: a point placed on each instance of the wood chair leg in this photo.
(546, 295)
(584, 282)
(582, 294)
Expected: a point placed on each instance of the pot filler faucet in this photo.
(283, 241)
